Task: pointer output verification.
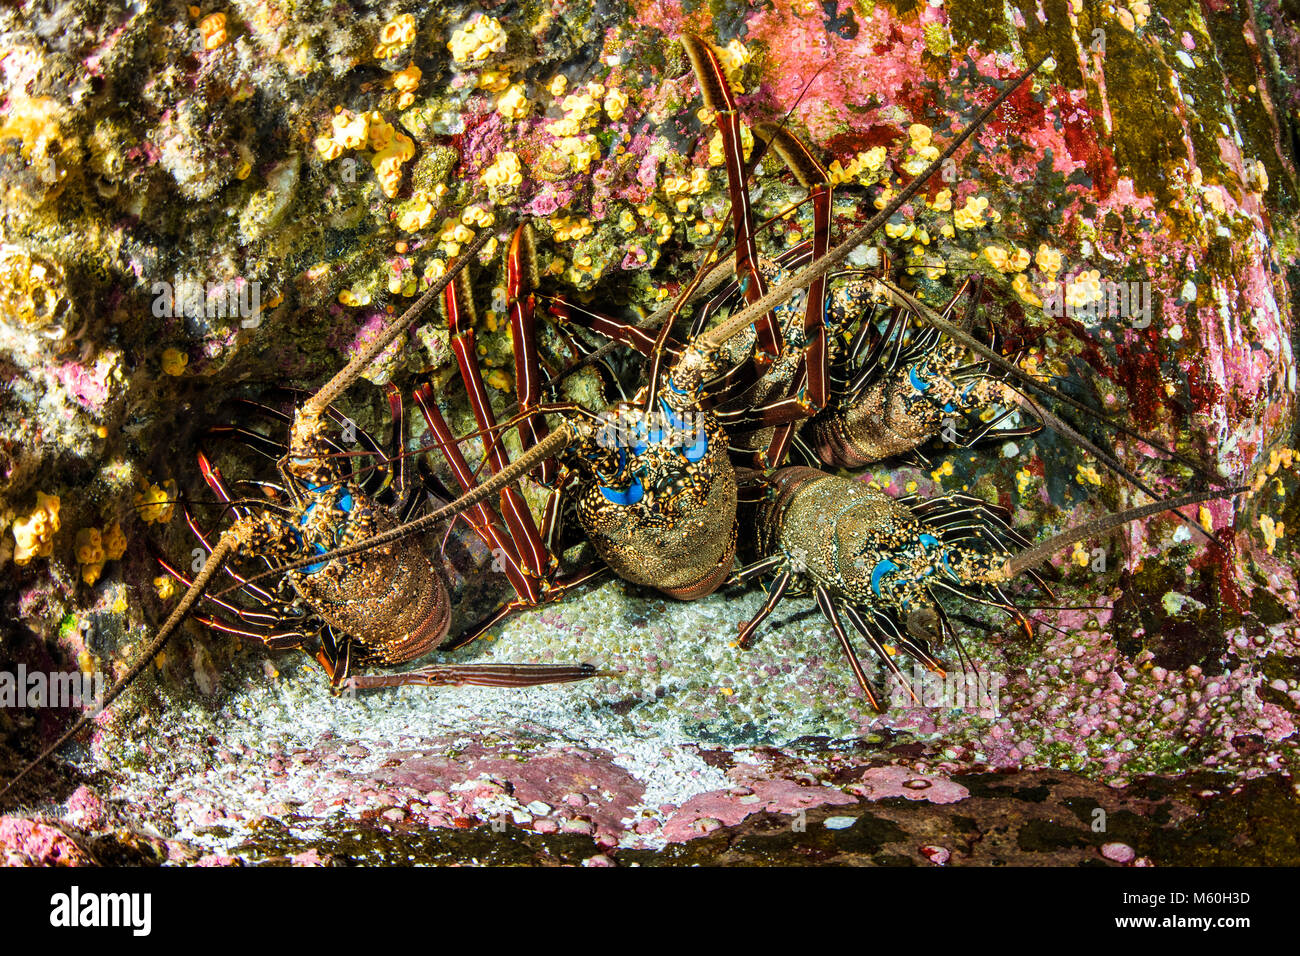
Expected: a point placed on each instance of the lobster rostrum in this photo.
(884, 562)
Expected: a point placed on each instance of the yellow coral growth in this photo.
(615, 104)
(174, 361)
(34, 532)
(165, 586)
(154, 503)
(513, 103)
(416, 214)
(90, 554)
(746, 145)
(1048, 259)
(567, 229)
(114, 541)
(581, 150)
(971, 215)
(1272, 531)
(397, 33)
(477, 40)
(405, 82)
(213, 30)
(504, 175)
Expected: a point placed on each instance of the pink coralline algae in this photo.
(755, 791)
(30, 843)
(881, 783)
(84, 809)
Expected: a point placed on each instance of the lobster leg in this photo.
(827, 605)
(779, 587)
(518, 518)
(617, 330)
(481, 517)
(478, 675)
(718, 98)
(521, 267)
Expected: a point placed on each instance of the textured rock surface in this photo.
(142, 146)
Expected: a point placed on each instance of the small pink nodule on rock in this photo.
(938, 855)
(1118, 852)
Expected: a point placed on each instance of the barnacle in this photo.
(34, 532)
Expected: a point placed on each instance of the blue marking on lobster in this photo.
(630, 495)
(883, 567)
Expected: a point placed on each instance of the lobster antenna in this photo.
(562, 436)
(1041, 552)
(934, 320)
(315, 406)
(228, 543)
(714, 338)
(1069, 433)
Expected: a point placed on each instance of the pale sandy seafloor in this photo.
(1167, 698)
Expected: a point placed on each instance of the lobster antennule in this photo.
(314, 407)
(936, 321)
(1040, 553)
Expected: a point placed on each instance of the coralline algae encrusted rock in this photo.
(161, 147)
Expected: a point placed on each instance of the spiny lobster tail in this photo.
(822, 266)
(551, 445)
(216, 559)
(1089, 529)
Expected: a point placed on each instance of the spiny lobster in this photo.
(387, 605)
(663, 515)
(874, 400)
